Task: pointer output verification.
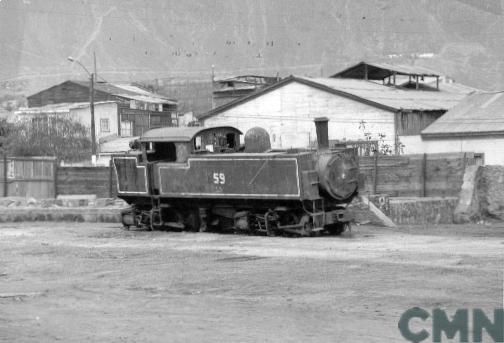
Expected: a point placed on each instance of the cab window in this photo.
(162, 151)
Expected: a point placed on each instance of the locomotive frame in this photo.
(187, 187)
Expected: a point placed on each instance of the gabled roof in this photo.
(397, 99)
(379, 71)
(128, 91)
(248, 79)
(63, 107)
(121, 90)
(178, 134)
(478, 114)
(371, 93)
(451, 86)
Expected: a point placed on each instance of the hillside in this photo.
(181, 40)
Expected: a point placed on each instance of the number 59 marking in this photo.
(219, 178)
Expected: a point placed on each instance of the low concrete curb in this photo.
(76, 214)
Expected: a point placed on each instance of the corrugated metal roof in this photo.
(118, 145)
(176, 134)
(372, 93)
(478, 114)
(455, 87)
(128, 91)
(149, 99)
(405, 69)
(391, 96)
(379, 71)
(58, 108)
(52, 108)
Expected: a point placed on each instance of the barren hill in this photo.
(159, 39)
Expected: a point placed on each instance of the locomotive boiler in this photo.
(203, 178)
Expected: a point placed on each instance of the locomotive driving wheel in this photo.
(191, 220)
(338, 228)
(307, 226)
(156, 222)
(271, 222)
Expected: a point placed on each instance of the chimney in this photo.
(322, 132)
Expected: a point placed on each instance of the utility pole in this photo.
(213, 86)
(91, 107)
(91, 103)
(94, 65)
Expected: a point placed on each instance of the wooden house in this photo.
(120, 109)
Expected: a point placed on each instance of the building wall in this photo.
(143, 120)
(102, 111)
(492, 147)
(412, 123)
(287, 114)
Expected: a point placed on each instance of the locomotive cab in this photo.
(177, 144)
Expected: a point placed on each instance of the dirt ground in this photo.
(97, 283)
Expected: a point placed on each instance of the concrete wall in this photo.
(490, 191)
(102, 111)
(492, 147)
(482, 194)
(287, 114)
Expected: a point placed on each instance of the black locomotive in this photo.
(202, 178)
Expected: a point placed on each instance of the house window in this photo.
(104, 125)
(126, 128)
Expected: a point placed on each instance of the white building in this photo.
(475, 125)
(356, 108)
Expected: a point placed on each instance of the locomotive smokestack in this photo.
(322, 132)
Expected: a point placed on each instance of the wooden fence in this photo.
(406, 175)
(87, 180)
(415, 175)
(27, 177)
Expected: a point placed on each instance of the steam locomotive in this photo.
(203, 178)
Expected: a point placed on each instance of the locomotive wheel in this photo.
(307, 226)
(288, 218)
(127, 218)
(271, 223)
(155, 220)
(191, 220)
(338, 228)
(173, 219)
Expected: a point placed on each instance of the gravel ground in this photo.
(97, 283)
